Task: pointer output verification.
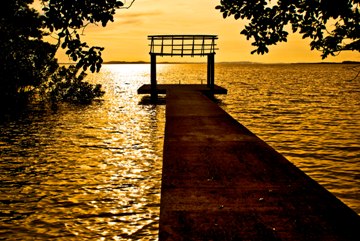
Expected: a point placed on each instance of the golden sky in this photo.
(126, 38)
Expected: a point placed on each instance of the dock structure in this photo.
(221, 182)
(181, 45)
(164, 88)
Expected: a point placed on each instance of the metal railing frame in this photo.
(182, 45)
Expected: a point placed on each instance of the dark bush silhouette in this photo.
(28, 66)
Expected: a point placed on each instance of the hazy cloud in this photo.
(135, 18)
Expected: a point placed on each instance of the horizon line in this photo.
(224, 62)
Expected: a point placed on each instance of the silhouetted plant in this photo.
(64, 19)
(24, 55)
(332, 25)
(27, 63)
(67, 85)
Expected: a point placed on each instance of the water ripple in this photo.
(93, 172)
(84, 173)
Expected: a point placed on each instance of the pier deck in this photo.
(221, 182)
(162, 88)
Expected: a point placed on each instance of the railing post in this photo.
(203, 46)
(182, 46)
(154, 94)
(152, 46)
(193, 47)
(162, 45)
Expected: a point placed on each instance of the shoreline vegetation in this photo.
(221, 62)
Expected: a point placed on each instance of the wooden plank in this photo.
(221, 182)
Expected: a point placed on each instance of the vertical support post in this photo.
(208, 72)
(211, 71)
(154, 94)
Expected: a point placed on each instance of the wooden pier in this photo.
(221, 182)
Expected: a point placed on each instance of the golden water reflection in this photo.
(85, 173)
(93, 172)
(308, 112)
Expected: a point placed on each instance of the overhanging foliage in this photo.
(332, 25)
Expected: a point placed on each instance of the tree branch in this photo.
(132, 2)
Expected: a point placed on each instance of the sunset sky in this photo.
(126, 38)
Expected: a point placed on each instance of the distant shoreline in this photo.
(229, 62)
(223, 62)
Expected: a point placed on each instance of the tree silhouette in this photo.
(27, 62)
(24, 55)
(332, 25)
(65, 18)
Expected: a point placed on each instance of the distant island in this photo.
(229, 62)
(146, 62)
(126, 62)
(351, 62)
(222, 62)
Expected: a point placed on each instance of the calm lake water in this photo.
(94, 172)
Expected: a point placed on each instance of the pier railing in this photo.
(182, 45)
